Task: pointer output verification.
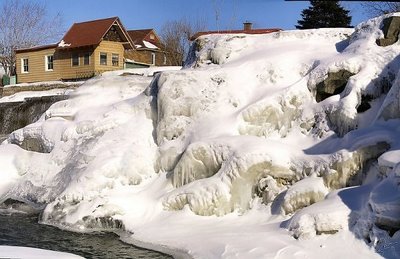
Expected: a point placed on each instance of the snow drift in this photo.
(262, 146)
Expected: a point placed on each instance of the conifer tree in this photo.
(324, 14)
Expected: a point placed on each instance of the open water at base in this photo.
(24, 230)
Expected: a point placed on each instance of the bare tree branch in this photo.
(24, 24)
(379, 8)
(175, 36)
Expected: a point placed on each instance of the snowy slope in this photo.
(33, 253)
(234, 156)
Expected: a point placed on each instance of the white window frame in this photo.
(153, 58)
(112, 59)
(23, 66)
(100, 58)
(46, 62)
(72, 60)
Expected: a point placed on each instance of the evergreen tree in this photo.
(324, 14)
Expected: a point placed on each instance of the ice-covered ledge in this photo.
(33, 253)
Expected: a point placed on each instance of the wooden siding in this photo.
(62, 63)
(109, 47)
(36, 64)
(67, 71)
(144, 56)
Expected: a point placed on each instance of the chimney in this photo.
(247, 26)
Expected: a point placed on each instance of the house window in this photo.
(75, 59)
(152, 36)
(49, 65)
(24, 65)
(86, 59)
(115, 60)
(103, 58)
(165, 59)
(153, 58)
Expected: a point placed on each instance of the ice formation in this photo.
(251, 149)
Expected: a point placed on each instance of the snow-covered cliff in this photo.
(281, 145)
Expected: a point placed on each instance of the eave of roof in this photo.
(37, 48)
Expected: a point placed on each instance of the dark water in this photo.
(23, 230)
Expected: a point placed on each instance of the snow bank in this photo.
(304, 193)
(47, 83)
(21, 96)
(245, 148)
(32, 253)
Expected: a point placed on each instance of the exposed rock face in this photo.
(33, 144)
(332, 85)
(16, 115)
(391, 29)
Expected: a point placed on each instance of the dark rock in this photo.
(334, 84)
(328, 232)
(16, 115)
(106, 222)
(364, 105)
(35, 145)
(391, 29)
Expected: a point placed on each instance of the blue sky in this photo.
(139, 14)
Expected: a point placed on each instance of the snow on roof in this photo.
(142, 38)
(149, 45)
(63, 44)
(130, 60)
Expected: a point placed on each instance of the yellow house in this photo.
(87, 49)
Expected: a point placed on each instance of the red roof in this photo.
(138, 36)
(252, 31)
(91, 32)
(86, 34)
